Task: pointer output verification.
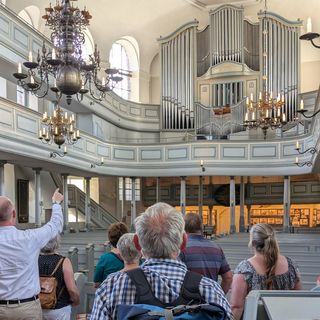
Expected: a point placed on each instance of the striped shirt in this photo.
(204, 256)
(165, 277)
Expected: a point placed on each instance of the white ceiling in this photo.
(146, 20)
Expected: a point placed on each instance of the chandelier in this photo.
(59, 128)
(267, 112)
(64, 70)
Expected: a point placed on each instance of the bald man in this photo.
(19, 252)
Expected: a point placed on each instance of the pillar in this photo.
(123, 197)
(2, 191)
(210, 214)
(286, 204)
(37, 201)
(183, 195)
(88, 204)
(158, 190)
(242, 196)
(133, 201)
(65, 200)
(232, 205)
(200, 199)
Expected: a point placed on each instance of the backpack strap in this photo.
(189, 291)
(57, 266)
(144, 293)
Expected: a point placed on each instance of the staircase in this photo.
(77, 199)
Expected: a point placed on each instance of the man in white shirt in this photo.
(19, 252)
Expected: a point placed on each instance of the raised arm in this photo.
(68, 276)
(54, 226)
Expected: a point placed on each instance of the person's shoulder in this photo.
(243, 267)
(112, 280)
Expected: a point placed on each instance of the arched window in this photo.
(124, 54)
(119, 59)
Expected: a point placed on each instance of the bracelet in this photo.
(56, 202)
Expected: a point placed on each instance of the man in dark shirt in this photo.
(204, 256)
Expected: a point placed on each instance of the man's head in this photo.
(127, 249)
(193, 223)
(160, 232)
(7, 212)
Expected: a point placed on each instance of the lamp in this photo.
(267, 112)
(302, 110)
(58, 128)
(54, 154)
(302, 164)
(64, 70)
(312, 150)
(203, 169)
(94, 164)
(310, 36)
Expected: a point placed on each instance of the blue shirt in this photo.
(108, 263)
(165, 277)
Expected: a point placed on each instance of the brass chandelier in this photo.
(64, 70)
(59, 128)
(267, 112)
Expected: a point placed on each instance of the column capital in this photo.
(37, 169)
(65, 174)
(3, 162)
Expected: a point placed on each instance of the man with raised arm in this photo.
(160, 236)
(19, 252)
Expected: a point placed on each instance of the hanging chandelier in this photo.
(59, 128)
(267, 112)
(64, 70)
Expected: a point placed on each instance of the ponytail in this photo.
(264, 241)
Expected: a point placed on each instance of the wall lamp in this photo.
(302, 164)
(312, 150)
(302, 110)
(97, 164)
(203, 169)
(61, 154)
(310, 36)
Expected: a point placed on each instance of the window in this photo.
(119, 59)
(127, 184)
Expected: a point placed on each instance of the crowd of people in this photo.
(165, 263)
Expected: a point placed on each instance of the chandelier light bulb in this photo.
(309, 25)
(30, 58)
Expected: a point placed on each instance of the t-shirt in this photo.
(107, 264)
(204, 256)
(256, 281)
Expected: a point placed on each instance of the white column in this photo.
(232, 205)
(158, 189)
(200, 199)
(65, 201)
(123, 196)
(286, 204)
(133, 201)
(183, 195)
(242, 195)
(38, 202)
(2, 191)
(88, 204)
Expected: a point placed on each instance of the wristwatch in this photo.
(56, 202)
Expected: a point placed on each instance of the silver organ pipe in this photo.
(178, 77)
(280, 61)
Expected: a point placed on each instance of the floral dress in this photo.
(255, 281)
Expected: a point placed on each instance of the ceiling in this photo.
(147, 20)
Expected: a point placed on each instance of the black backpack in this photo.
(189, 304)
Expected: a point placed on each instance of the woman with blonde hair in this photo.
(266, 270)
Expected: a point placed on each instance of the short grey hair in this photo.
(160, 231)
(52, 245)
(127, 249)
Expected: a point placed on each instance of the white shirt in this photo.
(19, 252)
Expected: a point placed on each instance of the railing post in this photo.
(74, 258)
(90, 261)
